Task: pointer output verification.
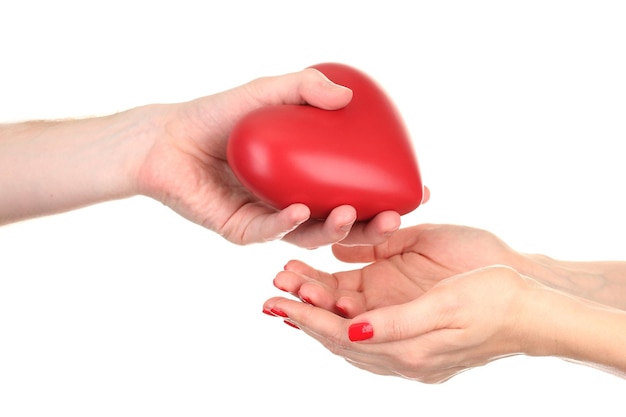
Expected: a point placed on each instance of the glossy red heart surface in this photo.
(360, 155)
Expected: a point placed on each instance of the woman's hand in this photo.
(462, 322)
(436, 300)
(401, 269)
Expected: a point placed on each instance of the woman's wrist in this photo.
(573, 328)
(546, 270)
(599, 281)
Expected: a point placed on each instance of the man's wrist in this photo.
(56, 166)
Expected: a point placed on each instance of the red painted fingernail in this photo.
(279, 287)
(292, 324)
(268, 311)
(307, 300)
(342, 311)
(277, 312)
(360, 331)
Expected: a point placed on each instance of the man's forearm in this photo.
(49, 167)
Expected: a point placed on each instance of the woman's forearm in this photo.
(602, 281)
(579, 330)
(53, 166)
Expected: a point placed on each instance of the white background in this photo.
(125, 309)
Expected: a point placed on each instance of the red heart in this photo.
(360, 155)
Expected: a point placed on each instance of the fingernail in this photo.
(292, 324)
(331, 84)
(268, 311)
(342, 311)
(360, 331)
(305, 300)
(277, 312)
(390, 233)
(346, 227)
(278, 286)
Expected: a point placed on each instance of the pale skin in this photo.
(436, 300)
(175, 154)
